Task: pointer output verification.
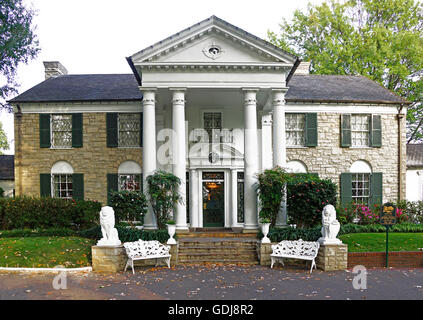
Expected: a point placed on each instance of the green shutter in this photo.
(112, 184)
(78, 186)
(346, 130)
(141, 128)
(346, 188)
(45, 185)
(376, 133)
(376, 188)
(311, 129)
(45, 131)
(112, 130)
(77, 130)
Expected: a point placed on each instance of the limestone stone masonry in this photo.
(332, 257)
(94, 159)
(329, 159)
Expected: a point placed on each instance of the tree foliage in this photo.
(162, 188)
(4, 144)
(18, 43)
(380, 39)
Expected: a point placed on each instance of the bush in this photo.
(1, 192)
(129, 206)
(313, 234)
(127, 234)
(363, 214)
(306, 197)
(45, 213)
(164, 195)
(413, 210)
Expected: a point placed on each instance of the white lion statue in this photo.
(108, 230)
(330, 226)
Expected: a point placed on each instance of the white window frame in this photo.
(355, 131)
(61, 169)
(52, 131)
(118, 129)
(296, 130)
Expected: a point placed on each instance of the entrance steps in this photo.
(217, 233)
(215, 249)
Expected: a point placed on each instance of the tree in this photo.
(380, 39)
(4, 144)
(18, 43)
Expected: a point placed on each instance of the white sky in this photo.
(95, 36)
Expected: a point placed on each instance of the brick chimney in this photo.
(303, 68)
(54, 69)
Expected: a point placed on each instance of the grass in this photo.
(45, 252)
(374, 242)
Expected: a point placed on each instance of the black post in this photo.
(387, 245)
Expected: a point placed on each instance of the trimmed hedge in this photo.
(128, 234)
(312, 234)
(46, 213)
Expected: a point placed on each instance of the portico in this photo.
(213, 114)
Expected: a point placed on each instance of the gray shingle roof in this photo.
(124, 87)
(335, 88)
(7, 167)
(84, 87)
(414, 155)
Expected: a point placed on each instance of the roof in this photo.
(414, 155)
(7, 167)
(337, 88)
(124, 87)
(83, 87)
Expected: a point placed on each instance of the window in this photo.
(62, 186)
(129, 125)
(62, 182)
(360, 130)
(295, 129)
(213, 125)
(129, 176)
(61, 130)
(361, 188)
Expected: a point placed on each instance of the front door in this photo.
(213, 199)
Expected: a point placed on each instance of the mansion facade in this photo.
(215, 105)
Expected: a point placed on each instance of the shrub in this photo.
(306, 197)
(271, 189)
(44, 213)
(164, 195)
(1, 192)
(412, 209)
(129, 206)
(127, 234)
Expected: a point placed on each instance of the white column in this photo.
(194, 198)
(279, 144)
(149, 148)
(279, 135)
(251, 159)
(179, 153)
(266, 142)
(234, 197)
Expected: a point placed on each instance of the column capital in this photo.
(147, 89)
(178, 97)
(278, 97)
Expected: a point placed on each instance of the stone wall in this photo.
(94, 159)
(329, 159)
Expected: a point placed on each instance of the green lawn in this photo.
(42, 252)
(372, 242)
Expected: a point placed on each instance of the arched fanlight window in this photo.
(360, 176)
(296, 166)
(61, 180)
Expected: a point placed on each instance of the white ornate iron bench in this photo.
(142, 250)
(299, 249)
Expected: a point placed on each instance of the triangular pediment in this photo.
(213, 41)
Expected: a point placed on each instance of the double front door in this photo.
(213, 188)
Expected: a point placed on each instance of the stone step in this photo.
(220, 256)
(217, 261)
(214, 250)
(217, 234)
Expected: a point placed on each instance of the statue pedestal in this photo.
(332, 257)
(108, 259)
